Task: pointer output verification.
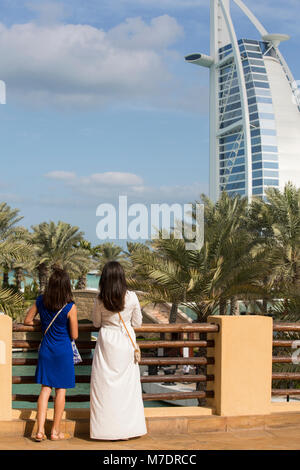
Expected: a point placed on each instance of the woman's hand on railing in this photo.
(34, 322)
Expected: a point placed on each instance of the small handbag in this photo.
(76, 355)
(137, 351)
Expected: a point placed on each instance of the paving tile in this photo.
(214, 423)
(167, 426)
(251, 434)
(12, 428)
(245, 422)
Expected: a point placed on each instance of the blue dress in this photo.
(55, 366)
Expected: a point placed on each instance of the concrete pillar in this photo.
(5, 368)
(243, 365)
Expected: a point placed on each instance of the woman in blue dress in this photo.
(55, 368)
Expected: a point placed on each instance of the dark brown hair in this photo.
(113, 287)
(58, 291)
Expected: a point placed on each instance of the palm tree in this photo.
(160, 272)
(58, 244)
(109, 252)
(8, 220)
(228, 267)
(87, 265)
(231, 252)
(279, 225)
(26, 264)
(287, 310)
(10, 250)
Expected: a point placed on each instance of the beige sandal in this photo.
(57, 437)
(40, 439)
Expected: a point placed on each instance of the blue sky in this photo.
(100, 101)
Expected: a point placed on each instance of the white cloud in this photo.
(114, 178)
(95, 180)
(61, 175)
(11, 198)
(134, 33)
(108, 186)
(167, 3)
(80, 65)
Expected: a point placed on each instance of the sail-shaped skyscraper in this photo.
(254, 108)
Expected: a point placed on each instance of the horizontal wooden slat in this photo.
(146, 396)
(23, 379)
(147, 328)
(30, 379)
(23, 361)
(34, 398)
(146, 361)
(176, 344)
(287, 391)
(177, 396)
(19, 327)
(282, 359)
(286, 376)
(281, 326)
(165, 361)
(177, 378)
(283, 343)
(17, 343)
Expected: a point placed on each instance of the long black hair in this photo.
(113, 287)
(58, 291)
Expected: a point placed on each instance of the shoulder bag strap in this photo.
(127, 331)
(54, 319)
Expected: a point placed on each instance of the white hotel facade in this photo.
(254, 109)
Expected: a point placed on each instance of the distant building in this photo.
(254, 109)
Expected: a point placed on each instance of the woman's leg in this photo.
(42, 406)
(59, 406)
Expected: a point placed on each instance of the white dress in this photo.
(116, 405)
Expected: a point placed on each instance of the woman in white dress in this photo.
(116, 405)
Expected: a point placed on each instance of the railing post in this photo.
(5, 368)
(243, 365)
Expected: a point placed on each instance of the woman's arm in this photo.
(73, 322)
(31, 313)
(137, 317)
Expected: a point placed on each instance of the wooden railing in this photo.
(186, 339)
(289, 329)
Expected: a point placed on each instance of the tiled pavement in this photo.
(283, 438)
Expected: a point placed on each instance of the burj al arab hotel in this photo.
(254, 108)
